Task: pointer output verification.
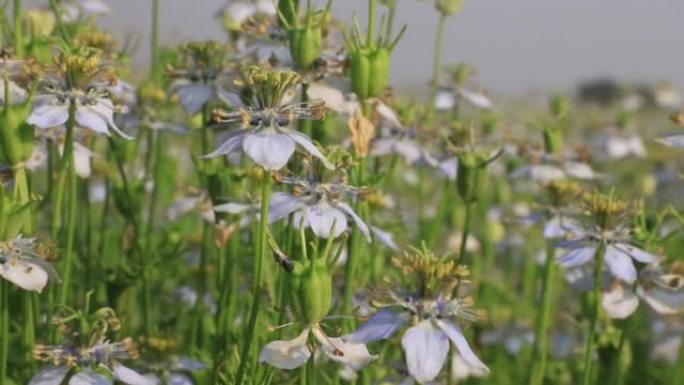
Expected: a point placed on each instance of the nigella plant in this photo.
(310, 284)
(319, 206)
(428, 304)
(88, 356)
(605, 240)
(266, 136)
(75, 87)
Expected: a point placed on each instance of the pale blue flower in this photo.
(618, 257)
(426, 343)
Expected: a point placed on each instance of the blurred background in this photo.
(517, 46)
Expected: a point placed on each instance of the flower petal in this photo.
(129, 376)
(476, 99)
(359, 222)
(322, 217)
(179, 379)
(282, 204)
(193, 96)
(620, 264)
(385, 237)
(89, 377)
(309, 147)
(676, 140)
(663, 301)
(27, 276)
(426, 349)
(49, 115)
(382, 325)
(230, 145)
(636, 253)
(287, 354)
(578, 256)
(269, 149)
(456, 336)
(619, 303)
(52, 375)
(354, 355)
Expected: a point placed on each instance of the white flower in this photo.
(318, 209)
(22, 265)
(92, 111)
(84, 8)
(291, 354)
(476, 99)
(268, 140)
(426, 343)
(618, 255)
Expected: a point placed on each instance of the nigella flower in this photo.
(618, 258)
(662, 291)
(78, 80)
(88, 364)
(22, 262)
(434, 316)
(104, 355)
(39, 158)
(318, 206)
(236, 12)
(75, 10)
(544, 168)
(198, 79)
(266, 137)
(607, 236)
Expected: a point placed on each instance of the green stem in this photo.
(18, 32)
(678, 372)
(539, 352)
(154, 41)
(71, 213)
(4, 329)
(54, 4)
(436, 63)
(466, 231)
(596, 310)
(261, 251)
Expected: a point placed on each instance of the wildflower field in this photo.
(269, 209)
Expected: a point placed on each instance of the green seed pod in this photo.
(360, 73)
(311, 288)
(379, 71)
(16, 136)
(472, 175)
(448, 7)
(305, 45)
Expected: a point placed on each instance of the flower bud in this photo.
(448, 7)
(311, 288)
(553, 138)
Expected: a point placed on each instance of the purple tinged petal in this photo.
(322, 217)
(309, 147)
(456, 336)
(49, 115)
(129, 376)
(193, 96)
(620, 264)
(283, 204)
(269, 149)
(230, 145)
(382, 325)
(578, 256)
(426, 348)
(636, 253)
(359, 222)
(89, 377)
(52, 375)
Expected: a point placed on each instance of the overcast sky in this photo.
(517, 45)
